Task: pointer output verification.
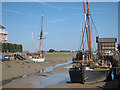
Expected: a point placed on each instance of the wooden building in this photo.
(106, 46)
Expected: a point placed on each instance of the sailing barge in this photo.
(38, 57)
(88, 69)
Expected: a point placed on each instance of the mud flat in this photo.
(52, 74)
(13, 69)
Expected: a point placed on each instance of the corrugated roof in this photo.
(110, 40)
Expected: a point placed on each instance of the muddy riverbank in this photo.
(51, 74)
(12, 69)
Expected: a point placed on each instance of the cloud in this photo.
(97, 12)
(51, 5)
(57, 20)
(18, 12)
(25, 25)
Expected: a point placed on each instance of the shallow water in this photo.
(51, 79)
(48, 69)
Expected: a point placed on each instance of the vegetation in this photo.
(119, 47)
(51, 50)
(9, 47)
(9, 66)
(64, 51)
(28, 61)
(9, 80)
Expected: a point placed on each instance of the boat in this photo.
(87, 68)
(38, 57)
(85, 74)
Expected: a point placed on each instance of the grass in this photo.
(29, 66)
(59, 53)
(28, 61)
(9, 66)
(9, 80)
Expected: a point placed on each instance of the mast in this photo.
(41, 33)
(31, 42)
(82, 37)
(86, 26)
(88, 16)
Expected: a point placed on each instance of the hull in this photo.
(88, 75)
(96, 75)
(76, 75)
(38, 60)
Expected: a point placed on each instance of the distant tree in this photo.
(20, 48)
(119, 47)
(11, 47)
(51, 50)
(56, 51)
(3, 47)
(64, 51)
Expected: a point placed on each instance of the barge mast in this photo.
(88, 16)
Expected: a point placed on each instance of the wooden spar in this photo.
(31, 42)
(88, 16)
(82, 37)
(86, 26)
(41, 33)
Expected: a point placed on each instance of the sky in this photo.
(61, 23)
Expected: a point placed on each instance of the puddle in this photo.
(52, 79)
(70, 66)
(24, 76)
(47, 62)
(48, 69)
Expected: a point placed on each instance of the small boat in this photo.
(38, 57)
(88, 69)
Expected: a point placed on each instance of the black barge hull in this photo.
(89, 76)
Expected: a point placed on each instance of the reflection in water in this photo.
(48, 69)
(70, 66)
(51, 80)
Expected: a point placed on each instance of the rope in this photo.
(94, 25)
(93, 38)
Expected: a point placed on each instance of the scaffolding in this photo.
(3, 34)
